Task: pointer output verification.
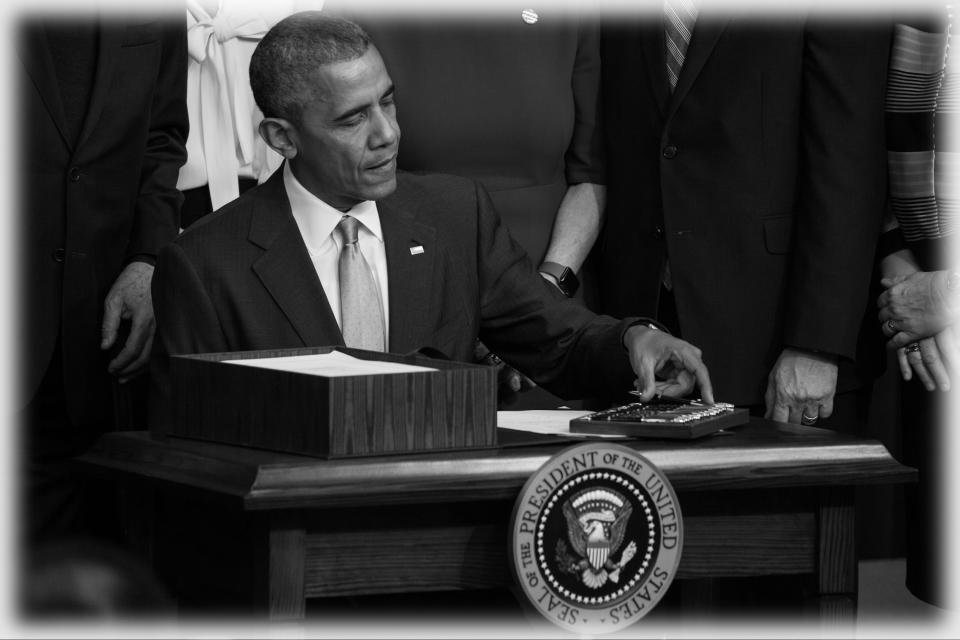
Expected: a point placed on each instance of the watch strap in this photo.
(566, 278)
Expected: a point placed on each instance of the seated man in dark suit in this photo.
(279, 266)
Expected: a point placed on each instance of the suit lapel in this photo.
(706, 33)
(35, 56)
(285, 268)
(410, 272)
(108, 50)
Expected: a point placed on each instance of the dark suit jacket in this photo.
(89, 205)
(762, 176)
(242, 279)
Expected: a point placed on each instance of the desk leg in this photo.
(837, 562)
(286, 571)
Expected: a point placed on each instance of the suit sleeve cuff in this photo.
(818, 352)
(650, 323)
(142, 257)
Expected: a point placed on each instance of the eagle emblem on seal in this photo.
(596, 526)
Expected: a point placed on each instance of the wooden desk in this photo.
(267, 531)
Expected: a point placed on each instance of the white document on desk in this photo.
(331, 365)
(554, 422)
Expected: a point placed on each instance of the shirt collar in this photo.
(317, 219)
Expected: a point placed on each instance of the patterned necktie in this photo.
(679, 17)
(361, 310)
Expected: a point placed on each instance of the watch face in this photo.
(568, 282)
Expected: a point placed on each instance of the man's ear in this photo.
(280, 135)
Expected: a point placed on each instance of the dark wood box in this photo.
(454, 407)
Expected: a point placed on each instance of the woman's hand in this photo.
(919, 305)
(934, 360)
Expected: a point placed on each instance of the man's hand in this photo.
(129, 298)
(917, 306)
(801, 384)
(678, 364)
(510, 382)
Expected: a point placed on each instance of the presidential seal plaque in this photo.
(596, 536)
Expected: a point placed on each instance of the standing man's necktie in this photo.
(361, 309)
(679, 17)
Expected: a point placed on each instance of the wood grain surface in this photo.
(286, 572)
(838, 552)
(453, 407)
(414, 559)
(761, 454)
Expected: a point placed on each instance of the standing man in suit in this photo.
(746, 182)
(338, 248)
(103, 124)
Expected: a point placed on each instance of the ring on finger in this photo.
(891, 326)
(808, 420)
(913, 347)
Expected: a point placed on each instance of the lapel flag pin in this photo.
(417, 250)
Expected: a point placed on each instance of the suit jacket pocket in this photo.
(135, 35)
(778, 233)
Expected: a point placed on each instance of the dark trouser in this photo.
(56, 500)
(921, 421)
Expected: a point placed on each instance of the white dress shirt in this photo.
(317, 221)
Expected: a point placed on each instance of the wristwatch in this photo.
(566, 279)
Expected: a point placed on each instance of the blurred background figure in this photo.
(920, 306)
(507, 96)
(102, 124)
(225, 154)
(85, 579)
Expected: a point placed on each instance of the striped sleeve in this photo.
(947, 154)
(913, 84)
